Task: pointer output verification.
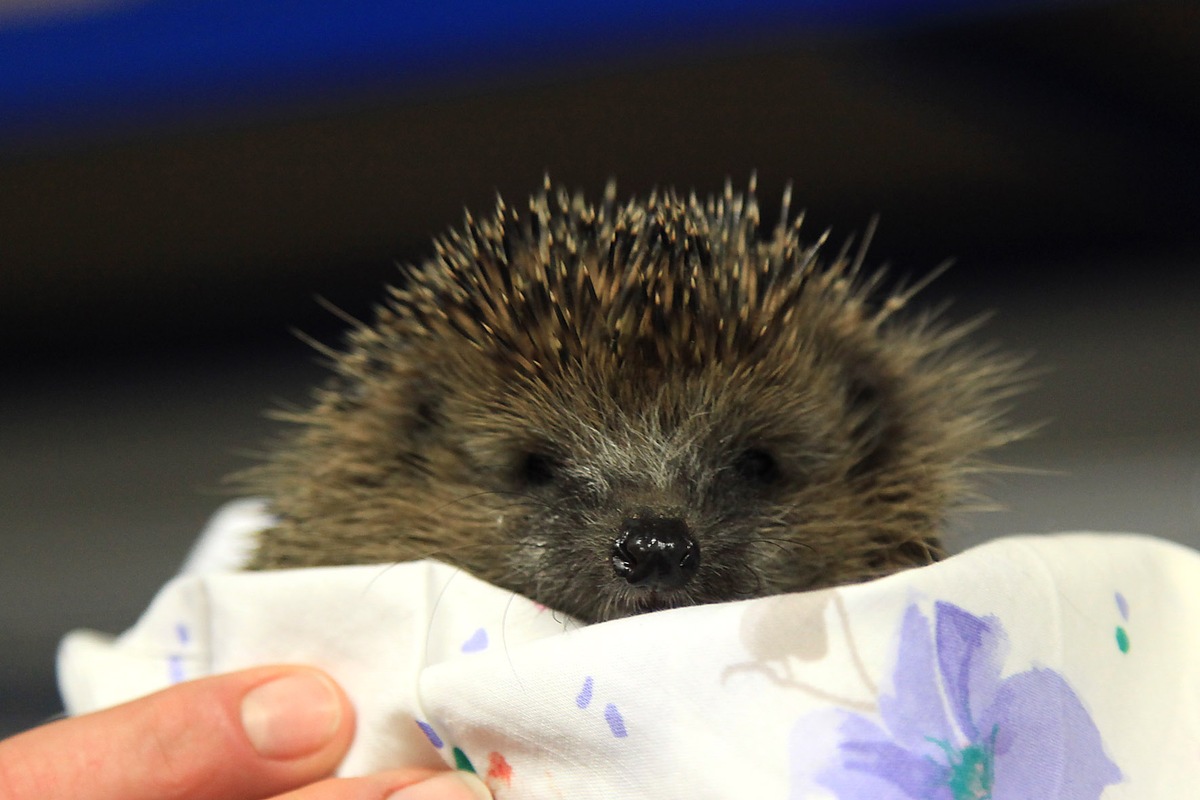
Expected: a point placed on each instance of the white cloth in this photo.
(1031, 667)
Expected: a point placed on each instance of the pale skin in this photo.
(271, 733)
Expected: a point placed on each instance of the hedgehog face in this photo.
(623, 409)
(626, 493)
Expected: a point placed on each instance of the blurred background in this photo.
(178, 181)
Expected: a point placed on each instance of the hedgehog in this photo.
(621, 407)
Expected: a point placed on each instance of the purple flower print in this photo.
(953, 730)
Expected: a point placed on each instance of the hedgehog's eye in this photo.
(537, 469)
(757, 465)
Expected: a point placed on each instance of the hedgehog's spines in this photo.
(785, 207)
(861, 256)
(673, 282)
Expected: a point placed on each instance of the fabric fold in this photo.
(938, 682)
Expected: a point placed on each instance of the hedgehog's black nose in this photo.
(655, 552)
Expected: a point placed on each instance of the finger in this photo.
(244, 736)
(413, 784)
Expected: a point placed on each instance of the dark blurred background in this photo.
(179, 180)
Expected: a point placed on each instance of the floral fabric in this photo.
(952, 729)
(1031, 667)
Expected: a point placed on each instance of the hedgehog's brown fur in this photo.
(547, 374)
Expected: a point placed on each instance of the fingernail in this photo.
(292, 716)
(445, 786)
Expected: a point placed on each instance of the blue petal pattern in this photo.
(953, 730)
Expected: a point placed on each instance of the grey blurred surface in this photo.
(1120, 403)
(107, 472)
(147, 284)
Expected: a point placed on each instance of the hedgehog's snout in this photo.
(655, 552)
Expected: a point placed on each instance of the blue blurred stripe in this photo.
(179, 54)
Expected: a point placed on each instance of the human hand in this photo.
(271, 732)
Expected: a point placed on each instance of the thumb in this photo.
(241, 736)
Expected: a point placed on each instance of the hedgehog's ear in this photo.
(426, 399)
(871, 428)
